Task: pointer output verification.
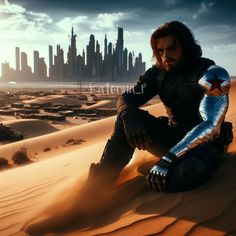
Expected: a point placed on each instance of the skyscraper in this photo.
(59, 64)
(98, 71)
(125, 62)
(42, 69)
(105, 46)
(130, 64)
(24, 62)
(119, 52)
(5, 71)
(50, 50)
(36, 65)
(91, 65)
(17, 59)
(26, 73)
(72, 54)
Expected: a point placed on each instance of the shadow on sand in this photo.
(92, 205)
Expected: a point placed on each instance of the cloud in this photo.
(220, 34)
(94, 6)
(204, 8)
(24, 28)
(67, 22)
(16, 18)
(94, 23)
(170, 2)
(227, 54)
(108, 20)
(6, 7)
(40, 17)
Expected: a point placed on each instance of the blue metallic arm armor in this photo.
(213, 107)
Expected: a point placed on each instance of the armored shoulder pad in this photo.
(215, 81)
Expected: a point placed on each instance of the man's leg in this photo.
(118, 152)
(194, 168)
(116, 155)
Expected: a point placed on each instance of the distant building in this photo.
(26, 72)
(72, 56)
(90, 62)
(58, 69)
(50, 56)
(8, 74)
(17, 59)
(36, 66)
(115, 64)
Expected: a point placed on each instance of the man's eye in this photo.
(160, 51)
(173, 48)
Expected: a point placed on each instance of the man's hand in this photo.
(159, 173)
(135, 129)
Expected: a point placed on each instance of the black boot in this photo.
(116, 155)
(101, 176)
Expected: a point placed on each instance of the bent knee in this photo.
(190, 173)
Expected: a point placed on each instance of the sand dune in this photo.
(63, 99)
(48, 197)
(57, 141)
(40, 127)
(101, 104)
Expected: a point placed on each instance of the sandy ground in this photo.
(47, 196)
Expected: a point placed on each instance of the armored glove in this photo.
(158, 175)
(135, 129)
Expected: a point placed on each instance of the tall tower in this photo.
(110, 49)
(98, 62)
(50, 49)
(91, 63)
(25, 69)
(130, 63)
(119, 52)
(72, 53)
(125, 61)
(42, 69)
(59, 63)
(17, 59)
(24, 62)
(83, 55)
(50, 62)
(36, 64)
(5, 71)
(105, 46)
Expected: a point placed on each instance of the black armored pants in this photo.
(192, 170)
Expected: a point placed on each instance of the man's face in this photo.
(170, 52)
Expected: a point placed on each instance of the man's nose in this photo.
(166, 53)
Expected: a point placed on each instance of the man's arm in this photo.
(213, 107)
(127, 108)
(139, 94)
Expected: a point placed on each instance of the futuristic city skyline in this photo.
(115, 63)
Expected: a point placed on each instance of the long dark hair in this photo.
(182, 34)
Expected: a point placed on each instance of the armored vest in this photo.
(180, 93)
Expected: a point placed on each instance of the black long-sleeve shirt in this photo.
(178, 90)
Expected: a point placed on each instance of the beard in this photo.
(170, 64)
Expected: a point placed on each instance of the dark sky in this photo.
(146, 13)
(212, 21)
(216, 11)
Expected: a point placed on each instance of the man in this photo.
(191, 140)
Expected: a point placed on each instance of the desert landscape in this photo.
(46, 196)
